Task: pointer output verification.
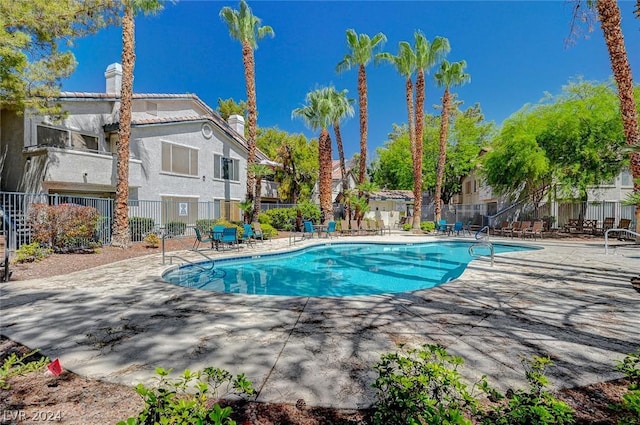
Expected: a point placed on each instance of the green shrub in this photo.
(536, 406)
(28, 253)
(139, 227)
(279, 218)
(152, 240)
(176, 228)
(205, 224)
(630, 406)
(406, 227)
(268, 232)
(15, 366)
(427, 226)
(421, 386)
(185, 400)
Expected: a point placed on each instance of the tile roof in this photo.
(399, 195)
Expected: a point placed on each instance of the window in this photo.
(626, 180)
(179, 159)
(225, 168)
(467, 187)
(60, 138)
(151, 108)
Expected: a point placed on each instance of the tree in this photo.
(318, 114)
(427, 55)
(228, 107)
(361, 53)
(245, 27)
(450, 74)
(31, 64)
(260, 171)
(121, 236)
(342, 108)
(390, 168)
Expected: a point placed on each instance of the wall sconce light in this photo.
(204, 178)
(85, 174)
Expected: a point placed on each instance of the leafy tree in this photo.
(260, 171)
(391, 169)
(318, 114)
(361, 53)
(450, 74)
(228, 107)
(299, 170)
(121, 237)
(245, 27)
(31, 63)
(427, 55)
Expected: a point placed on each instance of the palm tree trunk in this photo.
(442, 157)
(417, 154)
(324, 164)
(343, 167)
(412, 127)
(609, 14)
(362, 101)
(252, 116)
(121, 234)
(258, 201)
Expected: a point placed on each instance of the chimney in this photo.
(237, 123)
(113, 74)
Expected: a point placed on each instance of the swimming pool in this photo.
(336, 269)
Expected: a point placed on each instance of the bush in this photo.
(64, 226)
(427, 226)
(205, 224)
(630, 367)
(279, 218)
(139, 227)
(536, 406)
(28, 253)
(268, 231)
(406, 227)
(185, 400)
(421, 386)
(176, 228)
(152, 240)
(15, 366)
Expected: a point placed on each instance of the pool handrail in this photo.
(482, 243)
(479, 234)
(606, 237)
(172, 256)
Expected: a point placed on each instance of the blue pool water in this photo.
(338, 269)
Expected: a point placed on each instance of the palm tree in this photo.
(609, 15)
(450, 74)
(260, 171)
(245, 27)
(342, 108)
(318, 114)
(405, 63)
(361, 47)
(121, 234)
(427, 55)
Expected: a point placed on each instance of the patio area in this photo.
(119, 322)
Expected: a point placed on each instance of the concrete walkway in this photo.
(118, 322)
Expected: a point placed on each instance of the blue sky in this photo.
(515, 52)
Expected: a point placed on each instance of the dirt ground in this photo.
(74, 400)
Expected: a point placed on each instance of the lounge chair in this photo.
(200, 239)
(257, 232)
(624, 223)
(607, 224)
(382, 228)
(536, 229)
(369, 227)
(345, 228)
(505, 226)
(515, 227)
(230, 237)
(524, 226)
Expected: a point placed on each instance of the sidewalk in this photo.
(121, 321)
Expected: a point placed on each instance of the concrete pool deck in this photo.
(119, 322)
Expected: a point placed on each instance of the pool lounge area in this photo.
(119, 322)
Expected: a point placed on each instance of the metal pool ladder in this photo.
(483, 241)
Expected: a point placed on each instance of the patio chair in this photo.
(607, 224)
(247, 234)
(500, 230)
(624, 223)
(457, 227)
(368, 227)
(216, 234)
(536, 229)
(345, 228)
(331, 229)
(230, 237)
(382, 228)
(200, 239)
(441, 226)
(308, 228)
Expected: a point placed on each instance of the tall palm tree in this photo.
(427, 55)
(405, 63)
(449, 75)
(318, 113)
(342, 108)
(609, 15)
(245, 27)
(121, 234)
(361, 53)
